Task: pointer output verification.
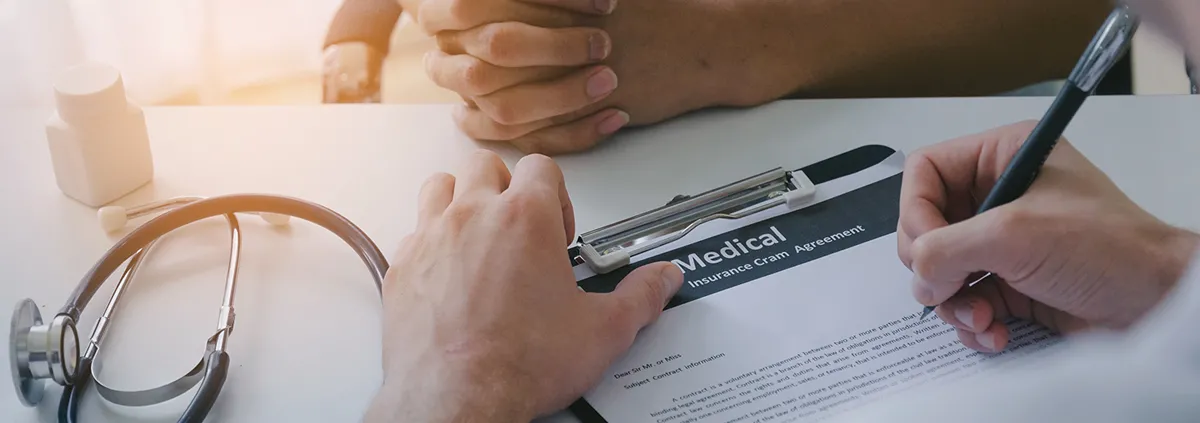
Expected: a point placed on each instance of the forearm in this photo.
(402, 404)
(887, 48)
(435, 393)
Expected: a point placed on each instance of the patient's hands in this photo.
(1072, 253)
(560, 81)
(483, 320)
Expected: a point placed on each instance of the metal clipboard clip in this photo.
(611, 247)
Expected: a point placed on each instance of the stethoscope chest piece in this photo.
(39, 351)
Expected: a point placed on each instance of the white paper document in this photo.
(789, 316)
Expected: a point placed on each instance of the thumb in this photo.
(641, 297)
(945, 259)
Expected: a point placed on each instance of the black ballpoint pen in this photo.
(1111, 42)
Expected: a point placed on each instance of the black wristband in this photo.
(1194, 77)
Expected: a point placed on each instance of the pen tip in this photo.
(926, 312)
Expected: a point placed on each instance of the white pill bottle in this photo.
(98, 139)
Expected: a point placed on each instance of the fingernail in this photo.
(613, 123)
(964, 311)
(601, 83)
(597, 46)
(987, 340)
(425, 62)
(922, 291)
(672, 278)
(927, 295)
(604, 6)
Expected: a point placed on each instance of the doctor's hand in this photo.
(1072, 253)
(483, 320)
(560, 90)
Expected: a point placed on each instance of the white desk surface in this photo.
(306, 347)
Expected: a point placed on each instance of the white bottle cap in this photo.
(88, 91)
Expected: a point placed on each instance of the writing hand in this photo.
(1072, 253)
(483, 320)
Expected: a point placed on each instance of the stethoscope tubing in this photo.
(216, 206)
(216, 370)
(216, 361)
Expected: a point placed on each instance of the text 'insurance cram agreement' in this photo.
(790, 317)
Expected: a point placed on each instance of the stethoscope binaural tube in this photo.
(216, 361)
(210, 369)
(216, 206)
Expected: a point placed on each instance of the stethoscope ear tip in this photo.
(112, 218)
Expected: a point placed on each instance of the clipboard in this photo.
(610, 250)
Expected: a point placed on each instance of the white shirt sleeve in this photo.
(1150, 373)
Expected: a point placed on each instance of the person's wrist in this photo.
(446, 389)
(754, 65)
(707, 59)
(1162, 254)
(1177, 247)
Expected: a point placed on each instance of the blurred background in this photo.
(266, 52)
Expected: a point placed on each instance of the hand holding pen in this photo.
(1073, 252)
(1001, 202)
(1111, 42)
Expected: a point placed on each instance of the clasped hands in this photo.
(559, 76)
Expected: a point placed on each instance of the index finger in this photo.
(540, 173)
(521, 45)
(939, 183)
(590, 7)
(922, 195)
(436, 16)
(944, 183)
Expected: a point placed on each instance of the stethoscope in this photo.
(51, 351)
